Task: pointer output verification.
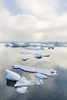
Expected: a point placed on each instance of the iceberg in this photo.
(22, 90)
(22, 82)
(38, 56)
(12, 75)
(41, 76)
(47, 72)
(24, 59)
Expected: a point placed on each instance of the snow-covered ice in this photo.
(12, 75)
(22, 90)
(40, 82)
(41, 76)
(25, 68)
(22, 82)
(47, 72)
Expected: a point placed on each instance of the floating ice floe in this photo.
(34, 48)
(14, 44)
(26, 53)
(40, 76)
(6, 45)
(22, 90)
(24, 59)
(12, 75)
(50, 46)
(22, 82)
(40, 82)
(47, 72)
(46, 55)
(38, 56)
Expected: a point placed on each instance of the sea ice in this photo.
(35, 48)
(46, 55)
(38, 56)
(22, 82)
(41, 76)
(40, 82)
(26, 53)
(12, 75)
(22, 90)
(50, 46)
(25, 68)
(24, 59)
(6, 45)
(47, 72)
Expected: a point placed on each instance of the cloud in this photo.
(39, 8)
(41, 21)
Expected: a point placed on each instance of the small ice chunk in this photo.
(40, 82)
(41, 76)
(50, 46)
(12, 75)
(24, 59)
(38, 56)
(6, 45)
(22, 82)
(22, 90)
(46, 55)
(26, 53)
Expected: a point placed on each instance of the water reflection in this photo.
(54, 88)
(10, 83)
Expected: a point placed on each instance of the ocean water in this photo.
(54, 88)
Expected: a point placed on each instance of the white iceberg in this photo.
(22, 90)
(41, 76)
(24, 59)
(12, 75)
(38, 56)
(22, 82)
(47, 72)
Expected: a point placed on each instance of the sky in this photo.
(33, 20)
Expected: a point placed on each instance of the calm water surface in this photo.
(55, 88)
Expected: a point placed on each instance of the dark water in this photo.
(55, 88)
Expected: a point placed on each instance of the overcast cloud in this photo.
(33, 20)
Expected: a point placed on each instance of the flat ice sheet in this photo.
(48, 72)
